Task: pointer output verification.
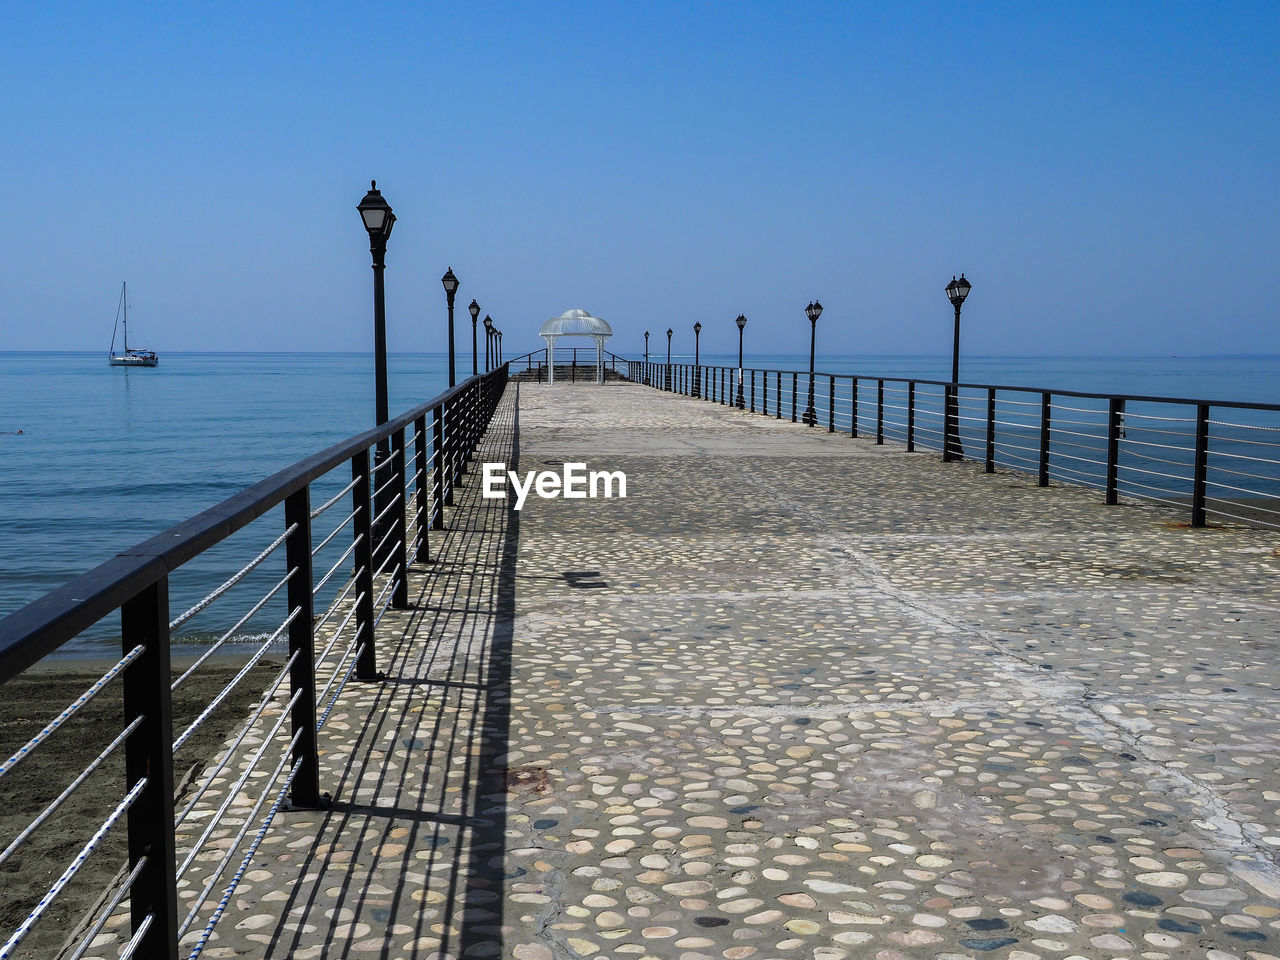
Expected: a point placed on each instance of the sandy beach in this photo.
(30, 701)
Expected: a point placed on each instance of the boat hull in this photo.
(128, 361)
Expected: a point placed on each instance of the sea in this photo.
(94, 459)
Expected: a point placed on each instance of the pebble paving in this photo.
(796, 695)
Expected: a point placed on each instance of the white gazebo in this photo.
(575, 323)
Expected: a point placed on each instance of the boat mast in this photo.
(124, 297)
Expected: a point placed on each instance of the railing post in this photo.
(1045, 411)
(573, 367)
(422, 506)
(991, 429)
(437, 468)
(795, 381)
(952, 448)
(831, 408)
(362, 530)
(464, 435)
(144, 619)
(777, 387)
(305, 791)
(911, 416)
(450, 449)
(853, 408)
(880, 411)
(1115, 423)
(753, 391)
(400, 593)
(1200, 479)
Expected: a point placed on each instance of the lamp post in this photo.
(741, 322)
(450, 288)
(499, 348)
(646, 358)
(957, 290)
(488, 343)
(813, 311)
(378, 221)
(474, 310)
(669, 333)
(697, 367)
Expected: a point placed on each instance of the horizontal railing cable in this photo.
(229, 752)
(233, 580)
(60, 884)
(213, 648)
(76, 706)
(105, 914)
(333, 569)
(334, 499)
(231, 684)
(185, 925)
(249, 854)
(57, 801)
(135, 941)
(333, 533)
(215, 822)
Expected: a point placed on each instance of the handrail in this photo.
(1057, 392)
(1197, 457)
(37, 629)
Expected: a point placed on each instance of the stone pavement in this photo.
(796, 696)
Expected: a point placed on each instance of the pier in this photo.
(795, 695)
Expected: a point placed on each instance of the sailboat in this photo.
(138, 356)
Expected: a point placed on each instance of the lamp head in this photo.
(450, 282)
(488, 323)
(474, 309)
(813, 311)
(741, 321)
(376, 213)
(957, 290)
(697, 328)
(669, 333)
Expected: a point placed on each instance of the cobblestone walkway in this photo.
(796, 696)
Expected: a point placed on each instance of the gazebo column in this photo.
(551, 359)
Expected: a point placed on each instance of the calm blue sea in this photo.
(108, 457)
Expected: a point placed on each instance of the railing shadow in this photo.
(408, 860)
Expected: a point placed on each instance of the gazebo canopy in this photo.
(575, 323)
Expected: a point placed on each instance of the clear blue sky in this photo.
(1106, 174)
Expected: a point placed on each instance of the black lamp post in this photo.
(697, 366)
(646, 358)
(499, 348)
(474, 310)
(669, 333)
(450, 288)
(378, 221)
(741, 322)
(488, 343)
(813, 311)
(957, 290)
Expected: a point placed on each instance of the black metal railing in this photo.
(1216, 459)
(571, 365)
(348, 556)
